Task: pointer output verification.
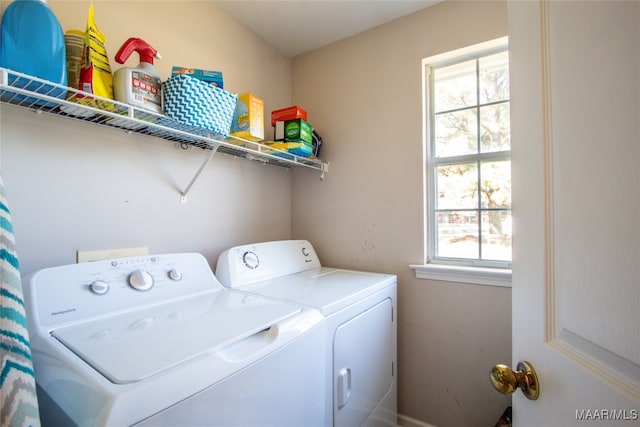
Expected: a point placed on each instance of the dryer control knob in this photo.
(99, 287)
(251, 260)
(141, 280)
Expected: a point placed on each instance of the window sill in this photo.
(462, 274)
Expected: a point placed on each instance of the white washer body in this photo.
(360, 317)
(157, 341)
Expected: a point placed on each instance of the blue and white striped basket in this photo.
(196, 103)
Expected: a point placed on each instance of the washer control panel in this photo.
(81, 291)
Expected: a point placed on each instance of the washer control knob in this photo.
(175, 274)
(99, 287)
(141, 280)
(251, 260)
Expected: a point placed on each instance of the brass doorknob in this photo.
(506, 381)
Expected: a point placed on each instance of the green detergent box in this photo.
(298, 130)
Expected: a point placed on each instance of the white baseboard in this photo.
(405, 421)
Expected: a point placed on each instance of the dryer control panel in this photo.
(242, 265)
(78, 292)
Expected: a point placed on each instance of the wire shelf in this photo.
(24, 91)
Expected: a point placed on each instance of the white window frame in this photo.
(467, 271)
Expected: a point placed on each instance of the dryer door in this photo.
(362, 364)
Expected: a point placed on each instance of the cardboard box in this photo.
(298, 130)
(214, 78)
(289, 113)
(248, 118)
(278, 131)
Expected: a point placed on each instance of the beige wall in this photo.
(72, 186)
(363, 95)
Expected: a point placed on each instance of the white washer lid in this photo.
(136, 345)
(326, 289)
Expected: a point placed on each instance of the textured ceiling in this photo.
(299, 26)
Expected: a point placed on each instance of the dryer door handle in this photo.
(344, 386)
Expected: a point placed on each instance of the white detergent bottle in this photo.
(138, 86)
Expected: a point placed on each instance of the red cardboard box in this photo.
(289, 113)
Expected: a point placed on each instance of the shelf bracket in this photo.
(325, 169)
(183, 195)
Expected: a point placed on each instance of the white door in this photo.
(575, 99)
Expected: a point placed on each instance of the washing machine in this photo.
(359, 311)
(158, 341)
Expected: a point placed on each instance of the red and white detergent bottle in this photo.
(140, 86)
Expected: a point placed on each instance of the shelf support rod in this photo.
(183, 195)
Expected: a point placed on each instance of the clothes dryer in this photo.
(360, 312)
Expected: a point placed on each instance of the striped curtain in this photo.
(18, 402)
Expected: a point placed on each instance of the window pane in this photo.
(495, 132)
(455, 86)
(495, 184)
(494, 78)
(456, 133)
(457, 186)
(457, 235)
(496, 235)
(469, 161)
